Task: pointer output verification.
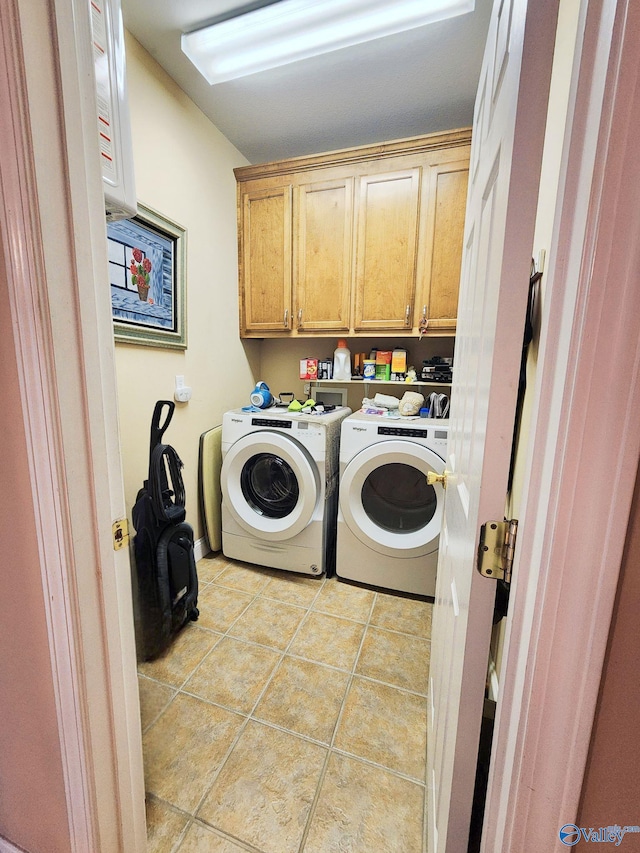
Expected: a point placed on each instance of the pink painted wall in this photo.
(611, 787)
(33, 812)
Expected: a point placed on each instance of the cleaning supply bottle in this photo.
(342, 361)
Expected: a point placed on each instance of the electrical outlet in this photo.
(182, 392)
(307, 388)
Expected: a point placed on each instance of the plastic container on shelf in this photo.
(383, 365)
(369, 371)
(342, 361)
(399, 361)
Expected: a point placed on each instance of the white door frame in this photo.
(583, 455)
(53, 229)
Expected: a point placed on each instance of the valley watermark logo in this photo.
(570, 834)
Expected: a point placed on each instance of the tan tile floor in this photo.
(291, 718)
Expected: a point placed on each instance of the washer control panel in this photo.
(270, 422)
(403, 432)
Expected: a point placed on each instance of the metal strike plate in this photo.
(120, 533)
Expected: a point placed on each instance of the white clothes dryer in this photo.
(389, 518)
(279, 483)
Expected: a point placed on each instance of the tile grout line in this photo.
(314, 804)
(181, 837)
(242, 727)
(246, 718)
(295, 734)
(352, 674)
(249, 716)
(330, 748)
(229, 627)
(161, 711)
(371, 763)
(221, 636)
(225, 836)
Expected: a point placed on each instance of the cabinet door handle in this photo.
(424, 323)
(286, 318)
(406, 316)
(300, 318)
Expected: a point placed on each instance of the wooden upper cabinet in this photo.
(443, 244)
(361, 241)
(266, 259)
(323, 252)
(387, 213)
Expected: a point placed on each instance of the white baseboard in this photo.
(8, 847)
(200, 550)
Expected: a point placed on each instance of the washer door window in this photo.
(386, 502)
(270, 485)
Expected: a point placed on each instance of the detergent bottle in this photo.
(342, 361)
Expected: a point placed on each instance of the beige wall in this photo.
(184, 170)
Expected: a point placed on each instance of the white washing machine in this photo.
(389, 519)
(279, 483)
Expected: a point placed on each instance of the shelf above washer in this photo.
(395, 383)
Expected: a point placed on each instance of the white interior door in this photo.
(503, 183)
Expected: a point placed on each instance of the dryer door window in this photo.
(269, 485)
(397, 498)
(386, 502)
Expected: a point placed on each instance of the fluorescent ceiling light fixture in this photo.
(291, 30)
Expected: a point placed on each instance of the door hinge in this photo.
(120, 532)
(496, 549)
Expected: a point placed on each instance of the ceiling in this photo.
(417, 82)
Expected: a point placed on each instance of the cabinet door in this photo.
(322, 271)
(266, 259)
(445, 232)
(387, 212)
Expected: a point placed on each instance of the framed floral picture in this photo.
(147, 280)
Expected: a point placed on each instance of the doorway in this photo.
(91, 811)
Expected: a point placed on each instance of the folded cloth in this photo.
(386, 401)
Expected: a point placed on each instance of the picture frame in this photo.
(147, 280)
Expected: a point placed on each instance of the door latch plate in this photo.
(120, 533)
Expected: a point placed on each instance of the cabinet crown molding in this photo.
(398, 147)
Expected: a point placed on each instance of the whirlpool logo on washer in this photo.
(359, 429)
